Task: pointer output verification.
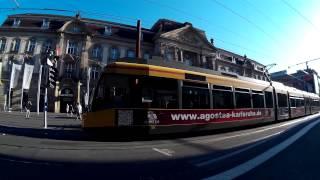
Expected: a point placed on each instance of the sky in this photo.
(285, 32)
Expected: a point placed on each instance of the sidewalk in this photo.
(60, 126)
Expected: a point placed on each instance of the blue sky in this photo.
(285, 32)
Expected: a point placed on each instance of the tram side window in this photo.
(243, 99)
(159, 93)
(257, 99)
(299, 102)
(195, 98)
(282, 100)
(222, 99)
(293, 102)
(269, 99)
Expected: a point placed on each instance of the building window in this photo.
(15, 45)
(72, 47)
(169, 54)
(96, 52)
(69, 69)
(146, 55)
(114, 53)
(45, 24)
(130, 53)
(16, 22)
(76, 29)
(31, 45)
(107, 30)
(47, 45)
(3, 42)
(94, 75)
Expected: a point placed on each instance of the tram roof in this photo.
(177, 70)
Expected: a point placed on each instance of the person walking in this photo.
(67, 109)
(79, 113)
(71, 110)
(28, 107)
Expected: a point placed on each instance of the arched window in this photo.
(31, 45)
(15, 45)
(3, 42)
(114, 53)
(96, 52)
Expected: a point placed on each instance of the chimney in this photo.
(138, 40)
(211, 41)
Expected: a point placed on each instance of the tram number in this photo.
(125, 117)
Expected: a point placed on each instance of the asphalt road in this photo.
(65, 151)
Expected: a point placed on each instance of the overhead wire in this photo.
(300, 14)
(195, 17)
(243, 17)
(127, 18)
(202, 19)
(258, 10)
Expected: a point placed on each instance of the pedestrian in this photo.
(28, 107)
(67, 109)
(71, 109)
(4, 107)
(79, 113)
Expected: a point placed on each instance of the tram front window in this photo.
(112, 92)
(120, 91)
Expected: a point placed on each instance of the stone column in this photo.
(78, 91)
(85, 53)
(203, 61)
(198, 63)
(176, 58)
(181, 55)
(105, 54)
(61, 45)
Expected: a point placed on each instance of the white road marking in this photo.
(249, 165)
(166, 152)
(257, 131)
(262, 140)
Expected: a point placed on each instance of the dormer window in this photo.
(45, 24)
(107, 30)
(16, 22)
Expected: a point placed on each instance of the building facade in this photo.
(84, 43)
(306, 80)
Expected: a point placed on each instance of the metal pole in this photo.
(39, 88)
(9, 102)
(45, 107)
(21, 101)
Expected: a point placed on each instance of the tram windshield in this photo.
(119, 91)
